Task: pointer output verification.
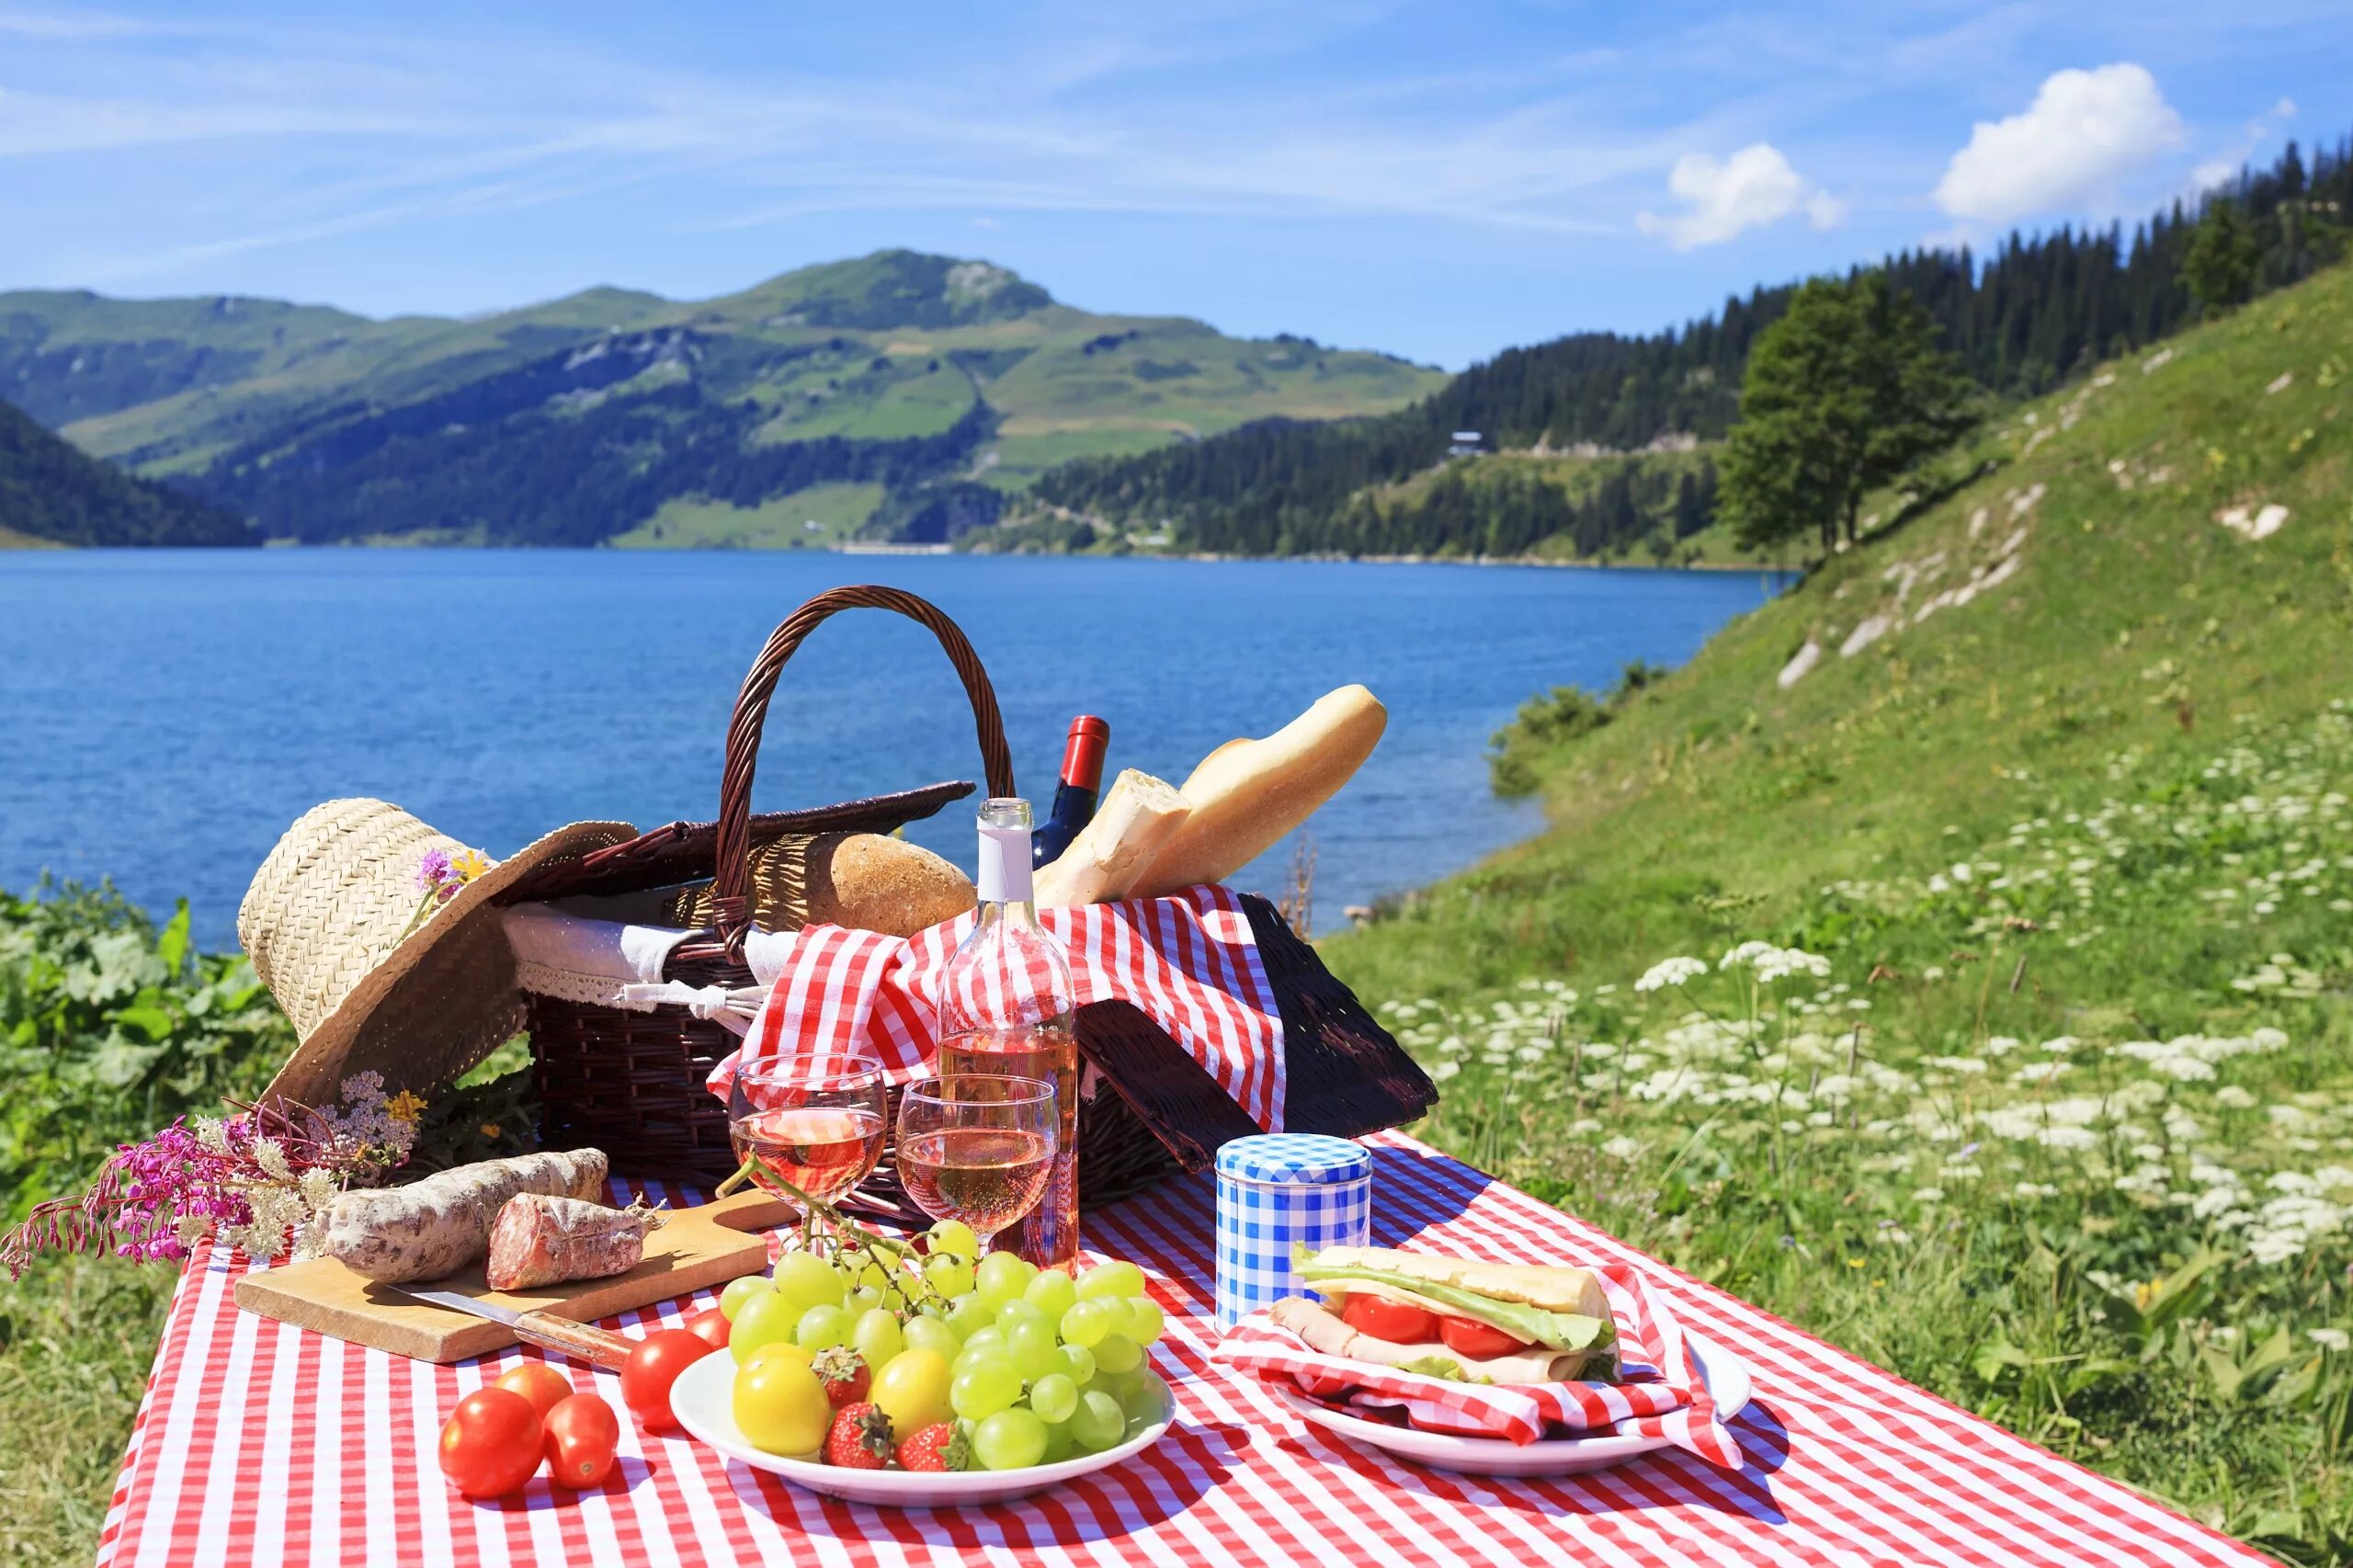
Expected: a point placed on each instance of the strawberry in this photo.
(941, 1446)
(844, 1373)
(860, 1438)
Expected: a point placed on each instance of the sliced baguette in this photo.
(1139, 815)
(1248, 794)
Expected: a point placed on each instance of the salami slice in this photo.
(539, 1240)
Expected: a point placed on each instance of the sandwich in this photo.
(1444, 1317)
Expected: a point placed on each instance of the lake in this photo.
(168, 713)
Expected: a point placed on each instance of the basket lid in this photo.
(1294, 1157)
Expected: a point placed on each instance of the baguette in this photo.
(1248, 794)
(1138, 817)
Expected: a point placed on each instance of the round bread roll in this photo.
(869, 883)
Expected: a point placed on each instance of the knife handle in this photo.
(581, 1341)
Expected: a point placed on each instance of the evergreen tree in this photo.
(2220, 265)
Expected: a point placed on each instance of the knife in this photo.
(581, 1341)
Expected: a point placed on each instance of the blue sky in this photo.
(1438, 180)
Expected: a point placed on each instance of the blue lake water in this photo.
(164, 715)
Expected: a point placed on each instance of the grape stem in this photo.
(845, 1233)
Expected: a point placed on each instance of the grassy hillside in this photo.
(579, 420)
(52, 494)
(2053, 780)
(2022, 317)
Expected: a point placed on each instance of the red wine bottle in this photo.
(1075, 797)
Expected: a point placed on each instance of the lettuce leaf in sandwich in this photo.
(1451, 1285)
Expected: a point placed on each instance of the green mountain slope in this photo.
(2031, 313)
(2056, 779)
(947, 383)
(53, 494)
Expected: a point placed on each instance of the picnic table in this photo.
(259, 1442)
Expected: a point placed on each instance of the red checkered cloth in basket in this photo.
(1189, 961)
(1659, 1394)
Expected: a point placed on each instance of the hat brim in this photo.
(440, 1001)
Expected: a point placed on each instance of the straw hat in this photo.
(385, 951)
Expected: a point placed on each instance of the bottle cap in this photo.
(1082, 753)
(1004, 852)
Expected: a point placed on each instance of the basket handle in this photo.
(731, 888)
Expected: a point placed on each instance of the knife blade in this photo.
(581, 1341)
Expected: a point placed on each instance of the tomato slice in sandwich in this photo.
(1394, 1321)
(1465, 1336)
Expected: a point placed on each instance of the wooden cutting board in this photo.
(692, 1248)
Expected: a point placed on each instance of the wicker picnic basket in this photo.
(632, 1082)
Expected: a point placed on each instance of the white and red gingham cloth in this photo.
(1659, 1394)
(262, 1443)
(1189, 961)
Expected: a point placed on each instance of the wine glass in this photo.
(977, 1147)
(810, 1127)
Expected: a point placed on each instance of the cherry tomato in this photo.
(711, 1327)
(490, 1445)
(582, 1434)
(1393, 1320)
(1465, 1337)
(653, 1366)
(542, 1384)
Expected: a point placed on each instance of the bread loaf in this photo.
(1248, 794)
(861, 880)
(1139, 815)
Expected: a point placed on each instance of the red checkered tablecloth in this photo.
(262, 1443)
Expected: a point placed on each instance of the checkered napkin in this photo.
(1189, 961)
(1659, 1394)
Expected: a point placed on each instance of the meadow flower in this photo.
(2330, 1338)
(434, 873)
(1672, 972)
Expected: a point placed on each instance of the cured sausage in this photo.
(436, 1226)
(540, 1240)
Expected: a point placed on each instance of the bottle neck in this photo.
(1083, 755)
(1004, 878)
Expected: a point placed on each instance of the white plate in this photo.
(1724, 1374)
(703, 1401)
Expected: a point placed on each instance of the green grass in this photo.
(838, 510)
(2136, 741)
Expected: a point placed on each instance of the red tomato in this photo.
(490, 1445)
(539, 1383)
(1393, 1320)
(582, 1433)
(653, 1366)
(712, 1326)
(1465, 1337)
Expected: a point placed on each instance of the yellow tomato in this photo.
(781, 1406)
(912, 1390)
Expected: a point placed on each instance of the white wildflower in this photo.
(1670, 971)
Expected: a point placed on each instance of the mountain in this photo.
(898, 393)
(2033, 313)
(50, 493)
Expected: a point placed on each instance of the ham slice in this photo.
(539, 1240)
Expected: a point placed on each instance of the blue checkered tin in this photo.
(1276, 1191)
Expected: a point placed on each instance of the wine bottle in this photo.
(1006, 1005)
(1075, 797)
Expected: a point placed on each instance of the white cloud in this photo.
(2224, 166)
(2085, 132)
(1754, 186)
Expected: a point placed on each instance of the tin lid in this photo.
(1294, 1157)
